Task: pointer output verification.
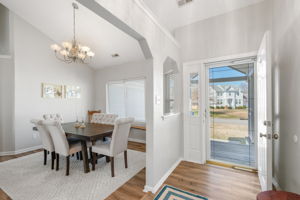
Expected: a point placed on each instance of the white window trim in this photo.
(166, 92)
(123, 81)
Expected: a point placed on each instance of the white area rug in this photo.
(26, 178)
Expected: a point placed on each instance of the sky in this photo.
(225, 72)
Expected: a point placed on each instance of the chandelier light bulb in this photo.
(64, 52)
(67, 45)
(90, 54)
(85, 49)
(55, 47)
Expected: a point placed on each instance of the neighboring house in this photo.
(230, 96)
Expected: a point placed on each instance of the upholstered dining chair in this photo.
(90, 114)
(55, 117)
(103, 118)
(61, 144)
(117, 145)
(47, 142)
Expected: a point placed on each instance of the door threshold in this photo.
(232, 166)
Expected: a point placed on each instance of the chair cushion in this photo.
(102, 148)
(74, 148)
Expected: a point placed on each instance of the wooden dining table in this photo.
(91, 133)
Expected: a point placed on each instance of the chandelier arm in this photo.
(64, 60)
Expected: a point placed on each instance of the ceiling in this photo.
(54, 18)
(172, 16)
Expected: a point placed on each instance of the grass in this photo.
(229, 113)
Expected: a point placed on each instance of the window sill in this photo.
(164, 117)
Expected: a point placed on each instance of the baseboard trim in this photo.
(163, 178)
(10, 153)
(136, 140)
(276, 184)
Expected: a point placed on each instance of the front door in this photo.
(264, 113)
(193, 114)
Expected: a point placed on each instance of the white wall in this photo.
(237, 32)
(286, 48)
(35, 63)
(162, 136)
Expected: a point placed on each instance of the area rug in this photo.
(172, 193)
(26, 178)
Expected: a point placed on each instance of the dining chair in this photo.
(56, 117)
(103, 118)
(117, 145)
(61, 144)
(90, 114)
(47, 142)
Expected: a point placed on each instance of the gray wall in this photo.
(237, 32)
(35, 63)
(7, 139)
(4, 30)
(286, 60)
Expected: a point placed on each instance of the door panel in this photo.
(192, 114)
(264, 113)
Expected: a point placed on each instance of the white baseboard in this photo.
(136, 140)
(162, 180)
(9, 153)
(276, 184)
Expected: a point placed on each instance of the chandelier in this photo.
(72, 51)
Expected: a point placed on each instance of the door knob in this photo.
(275, 136)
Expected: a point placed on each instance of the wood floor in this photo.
(213, 182)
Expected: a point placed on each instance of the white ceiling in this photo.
(55, 19)
(172, 16)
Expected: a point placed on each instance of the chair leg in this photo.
(91, 153)
(107, 159)
(52, 159)
(94, 158)
(112, 166)
(125, 158)
(57, 162)
(45, 157)
(67, 165)
(77, 156)
(80, 155)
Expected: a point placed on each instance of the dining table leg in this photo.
(85, 157)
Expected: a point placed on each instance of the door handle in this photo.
(263, 135)
(268, 136)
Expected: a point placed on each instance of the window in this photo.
(127, 99)
(169, 93)
(194, 94)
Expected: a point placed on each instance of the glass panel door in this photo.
(231, 104)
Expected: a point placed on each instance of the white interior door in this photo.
(264, 113)
(193, 113)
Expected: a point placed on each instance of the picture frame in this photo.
(72, 92)
(52, 91)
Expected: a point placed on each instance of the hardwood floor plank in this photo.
(212, 182)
